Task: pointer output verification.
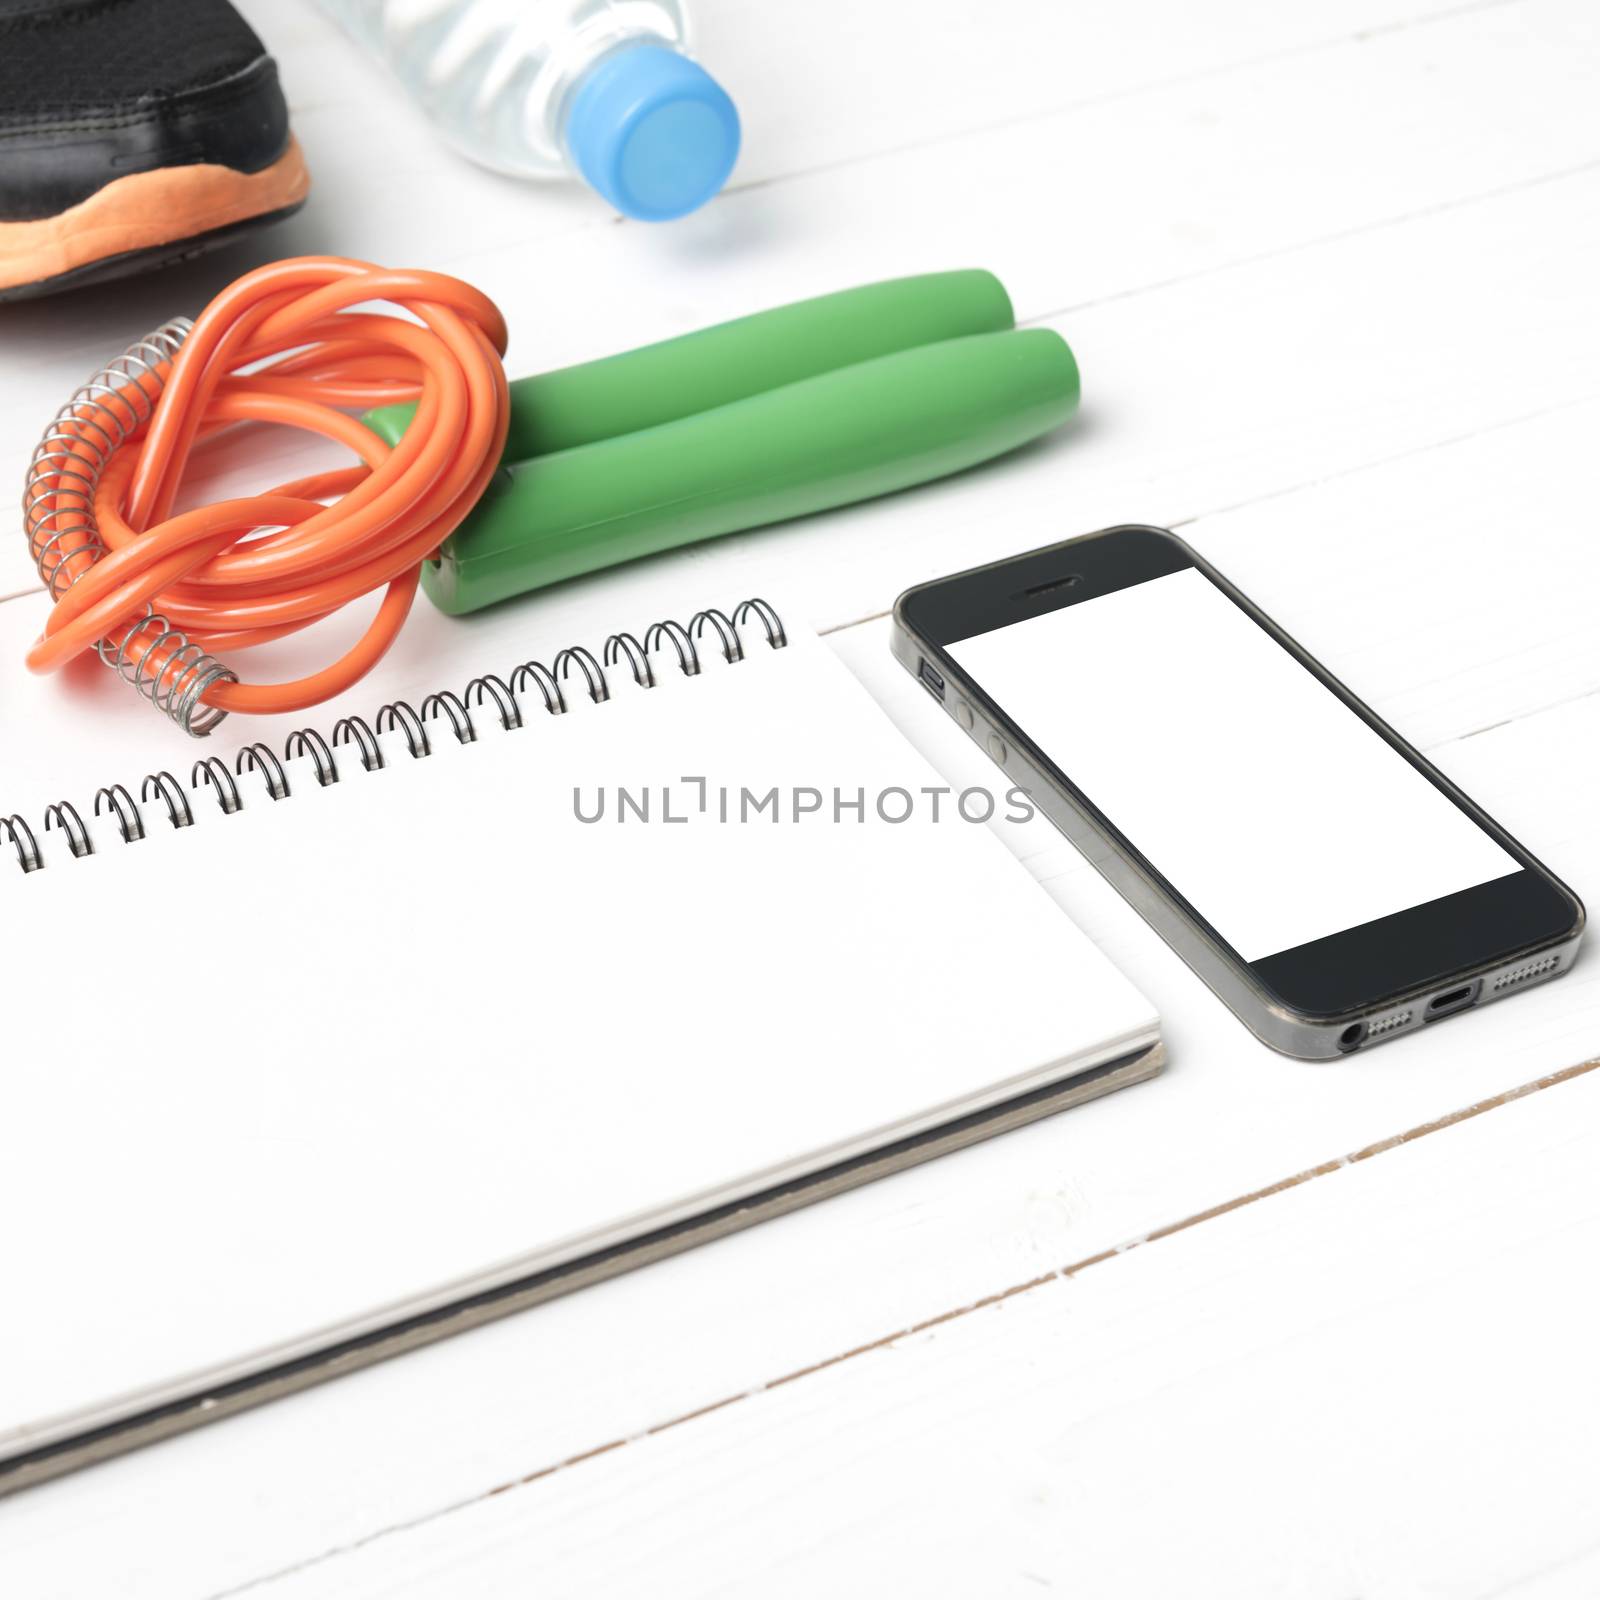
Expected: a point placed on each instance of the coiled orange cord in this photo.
(281, 345)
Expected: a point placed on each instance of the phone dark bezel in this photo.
(1344, 974)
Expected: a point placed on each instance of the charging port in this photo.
(1451, 1001)
(931, 680)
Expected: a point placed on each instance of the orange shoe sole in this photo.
(146, 219)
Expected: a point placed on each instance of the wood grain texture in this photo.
(1375, 1383)
(1361, 131)
(1317, 404)
(449, 1425)
(1331, 273)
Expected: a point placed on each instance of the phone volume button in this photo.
(963, 714)
(997, 748)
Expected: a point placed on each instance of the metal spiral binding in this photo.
(401, 715)
(680, 639)
(308, 741)
(160, 661)
(443, 703)
(116, 799)
(65, 816)
(23, 842)
(258, 758)
(163, 786)
(727, 634)
(213, 770)
(489, 687)
(536, 673)
(348, 730)
(594, 676)
(508, 698)
(620, 644)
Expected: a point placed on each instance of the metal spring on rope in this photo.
(158, 660)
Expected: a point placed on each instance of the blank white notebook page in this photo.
(425, 1029)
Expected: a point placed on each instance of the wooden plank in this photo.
(1448, 325)
(455, 1445)
(445, 1426)
(1380, 1381)
(827, 83)
(1198, 154)
(1383, 572)
(838, 82)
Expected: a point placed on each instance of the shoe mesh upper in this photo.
(89, 62)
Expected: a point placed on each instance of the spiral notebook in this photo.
(498, 993)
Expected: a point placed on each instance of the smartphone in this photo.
(1332, 887)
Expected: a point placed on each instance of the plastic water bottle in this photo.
(545, 88)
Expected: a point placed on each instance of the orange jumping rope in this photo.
(281, 345)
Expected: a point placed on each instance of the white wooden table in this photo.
(1258, 1328)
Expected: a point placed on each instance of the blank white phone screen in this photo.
(1273, 809)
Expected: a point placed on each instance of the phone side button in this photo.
(963, 714)
(997, 748)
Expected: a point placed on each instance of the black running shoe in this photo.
(133, 133)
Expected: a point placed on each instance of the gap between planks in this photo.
(1285, 491)
(1487, 196)
(1296, 247)
(1133, 91)
(1015, 1291)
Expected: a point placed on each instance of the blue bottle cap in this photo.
(653, 132)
